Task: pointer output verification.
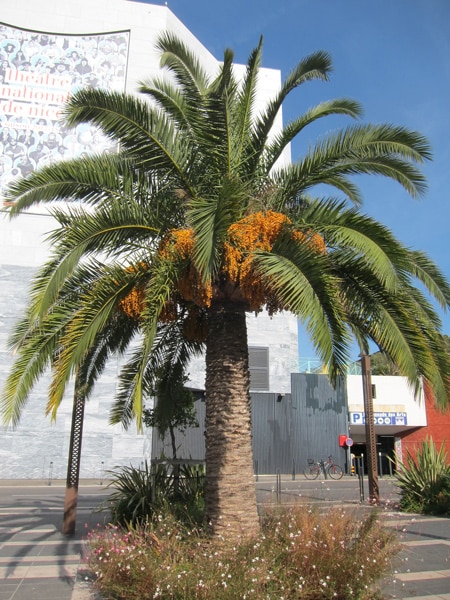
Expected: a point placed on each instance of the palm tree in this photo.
(195, 222)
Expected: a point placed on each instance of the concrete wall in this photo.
(38, 447)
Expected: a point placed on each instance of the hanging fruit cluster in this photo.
(179, 245)
(257, 231)
(133, 303)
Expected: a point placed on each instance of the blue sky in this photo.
(391, 55)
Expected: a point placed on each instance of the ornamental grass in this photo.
(300, 553)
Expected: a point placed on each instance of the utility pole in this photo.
(73, 466)
(371, 442)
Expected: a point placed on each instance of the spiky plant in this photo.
(424, 479)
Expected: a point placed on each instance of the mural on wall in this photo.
(38, 73)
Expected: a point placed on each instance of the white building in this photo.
(397, 408)
(105, 43)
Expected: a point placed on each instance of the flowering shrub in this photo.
(300, 553)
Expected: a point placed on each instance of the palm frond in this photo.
(359, 241)
(340, 106)
(210, 218)
(112, 340)
(364, 149)
(244, 105)
(33, 357)
(91, 314)
(184, 65)
(144, 133)
(157, 294)
(88, 178)
(169, 98)
(170, 347)
(303, 283)
(431, 276)
(315, 66)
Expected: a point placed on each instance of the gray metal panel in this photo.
(272, 432)
(320, 416)
(287, 429)
(190, 444)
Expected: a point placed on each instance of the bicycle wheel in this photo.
(335, 472)
(312, 471)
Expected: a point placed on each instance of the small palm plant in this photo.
(424, 479)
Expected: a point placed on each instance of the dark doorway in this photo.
(385, 450)
(359, 452)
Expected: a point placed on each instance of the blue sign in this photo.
(380, 418)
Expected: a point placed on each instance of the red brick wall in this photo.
(438, 428)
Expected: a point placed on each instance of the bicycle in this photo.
(315, 468)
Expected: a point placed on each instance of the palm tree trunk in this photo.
(230, 489)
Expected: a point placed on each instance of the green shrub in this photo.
(133, 494)
(140, 492)
(300, 553)
(424, 480)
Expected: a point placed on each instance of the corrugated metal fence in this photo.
(287, 429)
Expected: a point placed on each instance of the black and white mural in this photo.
(38, 73)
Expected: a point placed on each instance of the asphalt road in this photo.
(348, 490)
(48, 499)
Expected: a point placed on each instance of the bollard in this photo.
(50, 473)
(293, 470)
(380, 464)
(256, 470)
(153, 483)
(360, 471)
(278, 486)
(102, 470)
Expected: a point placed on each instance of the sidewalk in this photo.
(37, 562)
(422, 570)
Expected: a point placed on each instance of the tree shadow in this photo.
(30, 535)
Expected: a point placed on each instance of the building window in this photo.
(259, 368)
